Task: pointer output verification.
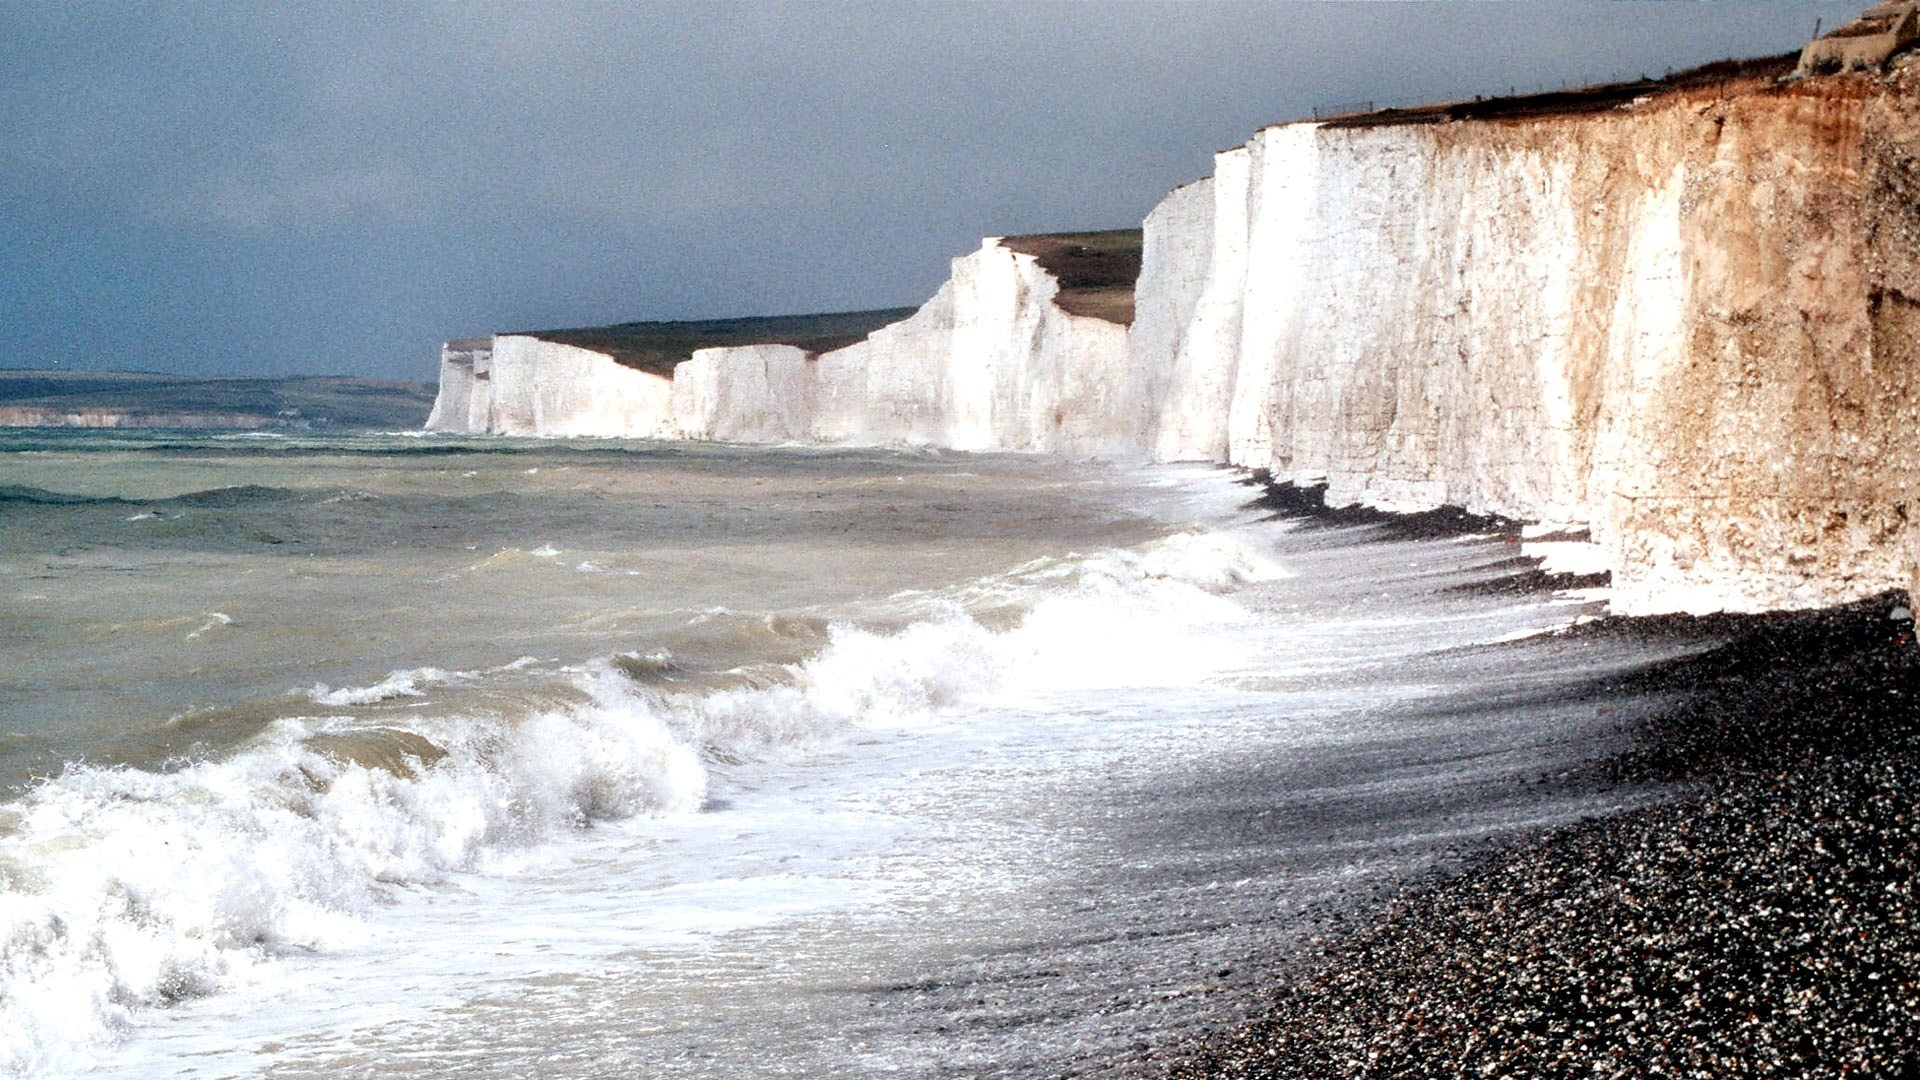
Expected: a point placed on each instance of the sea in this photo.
(420, 755)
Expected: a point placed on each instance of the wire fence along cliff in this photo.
(1341, 108)
(1568, 91)
(1361, 108)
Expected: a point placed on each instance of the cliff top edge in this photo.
(1096, 270)
(1730, 75)
(656, 347)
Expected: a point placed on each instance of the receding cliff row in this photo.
(608, 381)
(997, 360)
(1684, 319)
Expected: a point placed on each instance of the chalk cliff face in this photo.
(516, 384)
(1687, 324)
(990, 363)
(465, 401)
(894, 387)
(1170, 334)
(545, 388)
(1025, 375)
(750, 394)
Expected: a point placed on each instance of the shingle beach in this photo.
(1760, 923)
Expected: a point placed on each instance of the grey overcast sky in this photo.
(272, 188)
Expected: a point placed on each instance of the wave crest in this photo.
(399, 684)
(127, 889)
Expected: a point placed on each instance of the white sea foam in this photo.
(128, 889)
(215, 620)
(1155, 617)
(1214, 561)
(399, 684)
(125, 890)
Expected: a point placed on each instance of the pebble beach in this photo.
(1759, 922)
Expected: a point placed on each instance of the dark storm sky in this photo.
(333, 188)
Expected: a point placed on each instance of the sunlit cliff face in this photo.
(1683, 321)
(1678, 322)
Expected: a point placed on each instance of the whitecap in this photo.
(128, 890)
(215, 619)
(398, 684)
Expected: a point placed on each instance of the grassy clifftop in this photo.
(655, 347)
(1759, 71)
(1096, 270)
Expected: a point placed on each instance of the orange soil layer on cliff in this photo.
(1721, 75)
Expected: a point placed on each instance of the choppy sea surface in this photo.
(389, 755)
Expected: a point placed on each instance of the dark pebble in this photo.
(1761, 923)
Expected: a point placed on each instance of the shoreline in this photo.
(1762, 921)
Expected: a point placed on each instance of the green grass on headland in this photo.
(655, 347)
(1096, 270)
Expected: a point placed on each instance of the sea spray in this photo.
(1153, 617)
(130, 889)
(416, 699)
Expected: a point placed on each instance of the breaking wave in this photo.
(399, 684)
(127, 889)
(123, 890)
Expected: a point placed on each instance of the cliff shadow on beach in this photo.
(1761, 922)
(1510, 571)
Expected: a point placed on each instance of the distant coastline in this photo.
(130, 399)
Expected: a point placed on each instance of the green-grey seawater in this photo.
(167, 595)
(417, 755)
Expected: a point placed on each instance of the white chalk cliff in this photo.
(749, 393)
(990, 363)
(517, 384)
(1687, 323)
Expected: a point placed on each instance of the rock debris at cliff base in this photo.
(1762, 925)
